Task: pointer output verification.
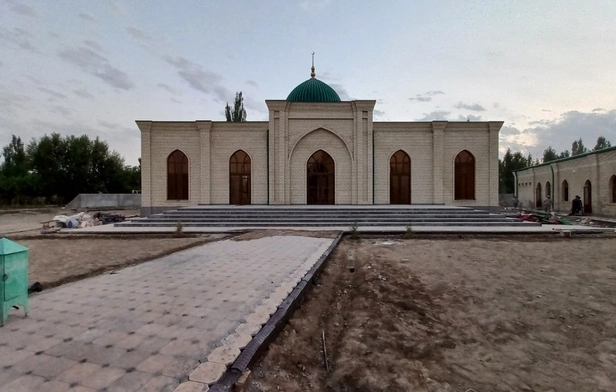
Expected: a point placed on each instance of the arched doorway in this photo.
(548, 189)
(239, 178)
(538, 201)
(587, 197)
(177, 176)
(464, 176)
(400, 178)
(613, 188)
(321, 179)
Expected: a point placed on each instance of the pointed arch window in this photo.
(565, 190)
(177, 176)
(464, 176)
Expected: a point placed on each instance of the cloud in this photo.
(64, 111)
(545, 110)
(427, 96)
(470, 117)
(139, 34)
(96, 65)
(169, 89)
(477, 107)
(252, 83)
(509, 131)
(378, 113)
(94, 45)
(83, 93)
(88, 17)
(342, 92)
(54, 94)
(17, 37)
(560, 133)
(435, 116)
(599, 110)
(116, 8)
(542, 122)
(200, 79)
(108, 124)
(23, 9)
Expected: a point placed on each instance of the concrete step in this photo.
(312, 224)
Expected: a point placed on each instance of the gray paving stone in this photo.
(129, 382)
(157, 317)
(53, 386)
(103, 378)
(23, 384)
(160, 384)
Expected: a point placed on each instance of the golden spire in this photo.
(312, 74)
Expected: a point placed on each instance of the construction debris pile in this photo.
(79, 220)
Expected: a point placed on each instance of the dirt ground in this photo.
(55, 259)
(469, 314)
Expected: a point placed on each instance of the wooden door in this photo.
(400, 178)
(321, 179)
(239, 178)
(587, 197)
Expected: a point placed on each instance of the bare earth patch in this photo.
(256, 234)
(54, 259)
(527, 314)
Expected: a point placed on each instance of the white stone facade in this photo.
(565, 178)
(279, 150)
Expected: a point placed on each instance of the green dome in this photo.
(313, 90)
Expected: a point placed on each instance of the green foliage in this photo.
(577, 147)
(602, 143)
(509, 163)
(57, 169)
(409, 232)
(355, 231)
(179, 230)
(549, 154)
(238, 113)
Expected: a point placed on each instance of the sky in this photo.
(544, 67)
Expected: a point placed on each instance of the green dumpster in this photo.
(14, 281)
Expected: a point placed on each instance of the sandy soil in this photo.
(30, 220)
(256, 234)
(472, 314)
(55, 259)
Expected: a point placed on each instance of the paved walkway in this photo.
(148, 327)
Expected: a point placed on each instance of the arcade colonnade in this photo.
(318, 153)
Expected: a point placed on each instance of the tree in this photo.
(577, 147)
(511, 161)
(238, 113)
(564, 154)
(602, 143)
(549, 155)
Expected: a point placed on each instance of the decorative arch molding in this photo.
(316, 130)
(334, 146)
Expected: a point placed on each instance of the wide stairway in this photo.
(323, 216)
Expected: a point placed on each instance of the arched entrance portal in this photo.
(587, 197)
(321, 179)
(400, 178)
(239, 178)
(538, 201)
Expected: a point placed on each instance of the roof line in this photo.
(569, 158)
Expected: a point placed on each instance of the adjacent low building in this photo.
(592, 176)
(318, 149)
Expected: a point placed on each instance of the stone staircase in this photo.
(323, 216)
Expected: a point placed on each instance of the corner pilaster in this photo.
(438, 130)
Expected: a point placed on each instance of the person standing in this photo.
(547, 204)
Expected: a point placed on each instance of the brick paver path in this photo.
(147, 327)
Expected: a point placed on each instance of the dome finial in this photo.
(312, 74)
